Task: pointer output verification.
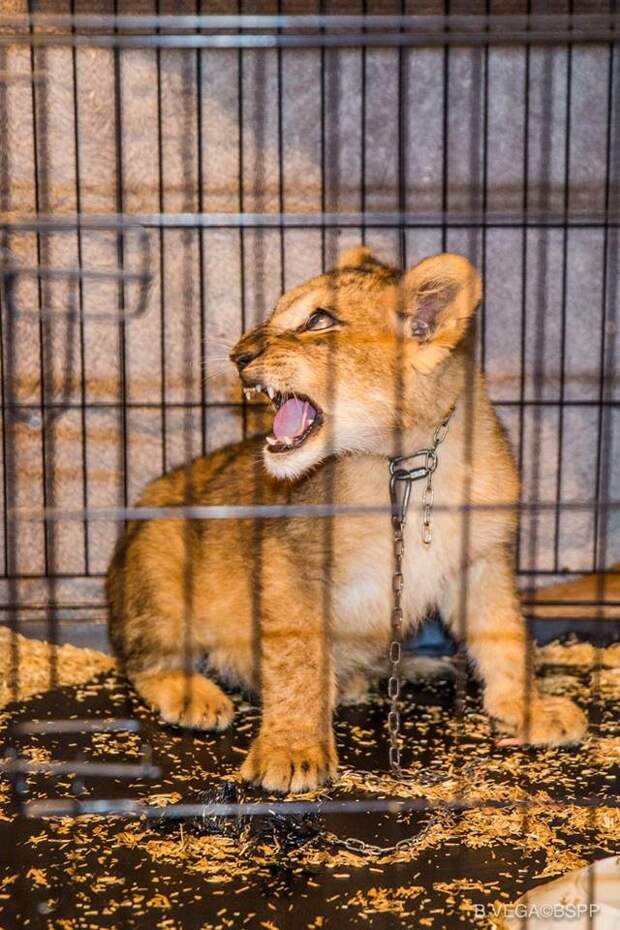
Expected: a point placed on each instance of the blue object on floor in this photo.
(432, 640)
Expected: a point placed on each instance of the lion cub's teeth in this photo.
(271, 393)
(271, 440)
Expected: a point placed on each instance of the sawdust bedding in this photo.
(286, 872)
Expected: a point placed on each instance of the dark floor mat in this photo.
(308, 870)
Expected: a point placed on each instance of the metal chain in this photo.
(401, 480)
(371, 850)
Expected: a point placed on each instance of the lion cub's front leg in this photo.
(295, 748)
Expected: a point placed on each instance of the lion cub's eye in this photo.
(320, 319)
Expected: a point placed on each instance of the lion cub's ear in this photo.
(438, 297)
(356, 257)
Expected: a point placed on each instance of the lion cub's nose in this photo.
(248, 348)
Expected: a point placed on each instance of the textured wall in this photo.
(178, 131)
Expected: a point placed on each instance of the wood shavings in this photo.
(35, 660)
(464, 884)
(157, 871)
(385, 900)
(162, 800)
(581, 654)
(606, 750)
(37, 753)
(37, 877)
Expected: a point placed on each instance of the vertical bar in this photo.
(281, 160)
(565, 236)
(39, 208)
(162, 262)
(524, 272)
(364, 104)
(201, 245)
(5, 202)
(323, 179)
(328, 482)
(607, 378)
(7, 385)
(122, 402)
(485, 167)
(403, 61)
(188, 295)
(445, 129)
(605, 322)
(78, 208)
(120, 246)
(10, 462)
(48, 450)
(538, 368)
(541, 298)
(244, 405)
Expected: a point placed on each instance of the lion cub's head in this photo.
(356, 355)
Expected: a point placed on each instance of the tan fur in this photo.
(299, 609)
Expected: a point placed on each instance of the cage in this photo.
(166, 173)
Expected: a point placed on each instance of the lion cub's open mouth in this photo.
(296, 418)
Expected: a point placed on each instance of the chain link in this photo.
(373, 851)
(401, 480)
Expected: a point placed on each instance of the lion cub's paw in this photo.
(550, 721)
(194, 702)
(276, 766)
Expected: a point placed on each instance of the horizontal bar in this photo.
(560, 402)
(311, 41)
(237, 404)
(415, 31)
(284, 511)
(565, 572)
(574, 602)
(105, 725)
(316, 220)
(572, 618)
(129, 808)
(85, 769)
(244, 21)
(101, 606)
(77, 767)
(58, 577)
(71, 274)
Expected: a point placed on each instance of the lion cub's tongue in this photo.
(292, 419)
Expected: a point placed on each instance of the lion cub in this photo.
(360, 364)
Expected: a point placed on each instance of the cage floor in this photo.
(292, 872)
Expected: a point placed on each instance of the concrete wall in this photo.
(180, 131)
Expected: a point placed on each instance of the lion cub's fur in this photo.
(299, 608)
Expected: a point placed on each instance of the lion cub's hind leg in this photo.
(496, 638)
(146, 588)
(191, 701)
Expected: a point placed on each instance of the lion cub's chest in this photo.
(364, 591)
